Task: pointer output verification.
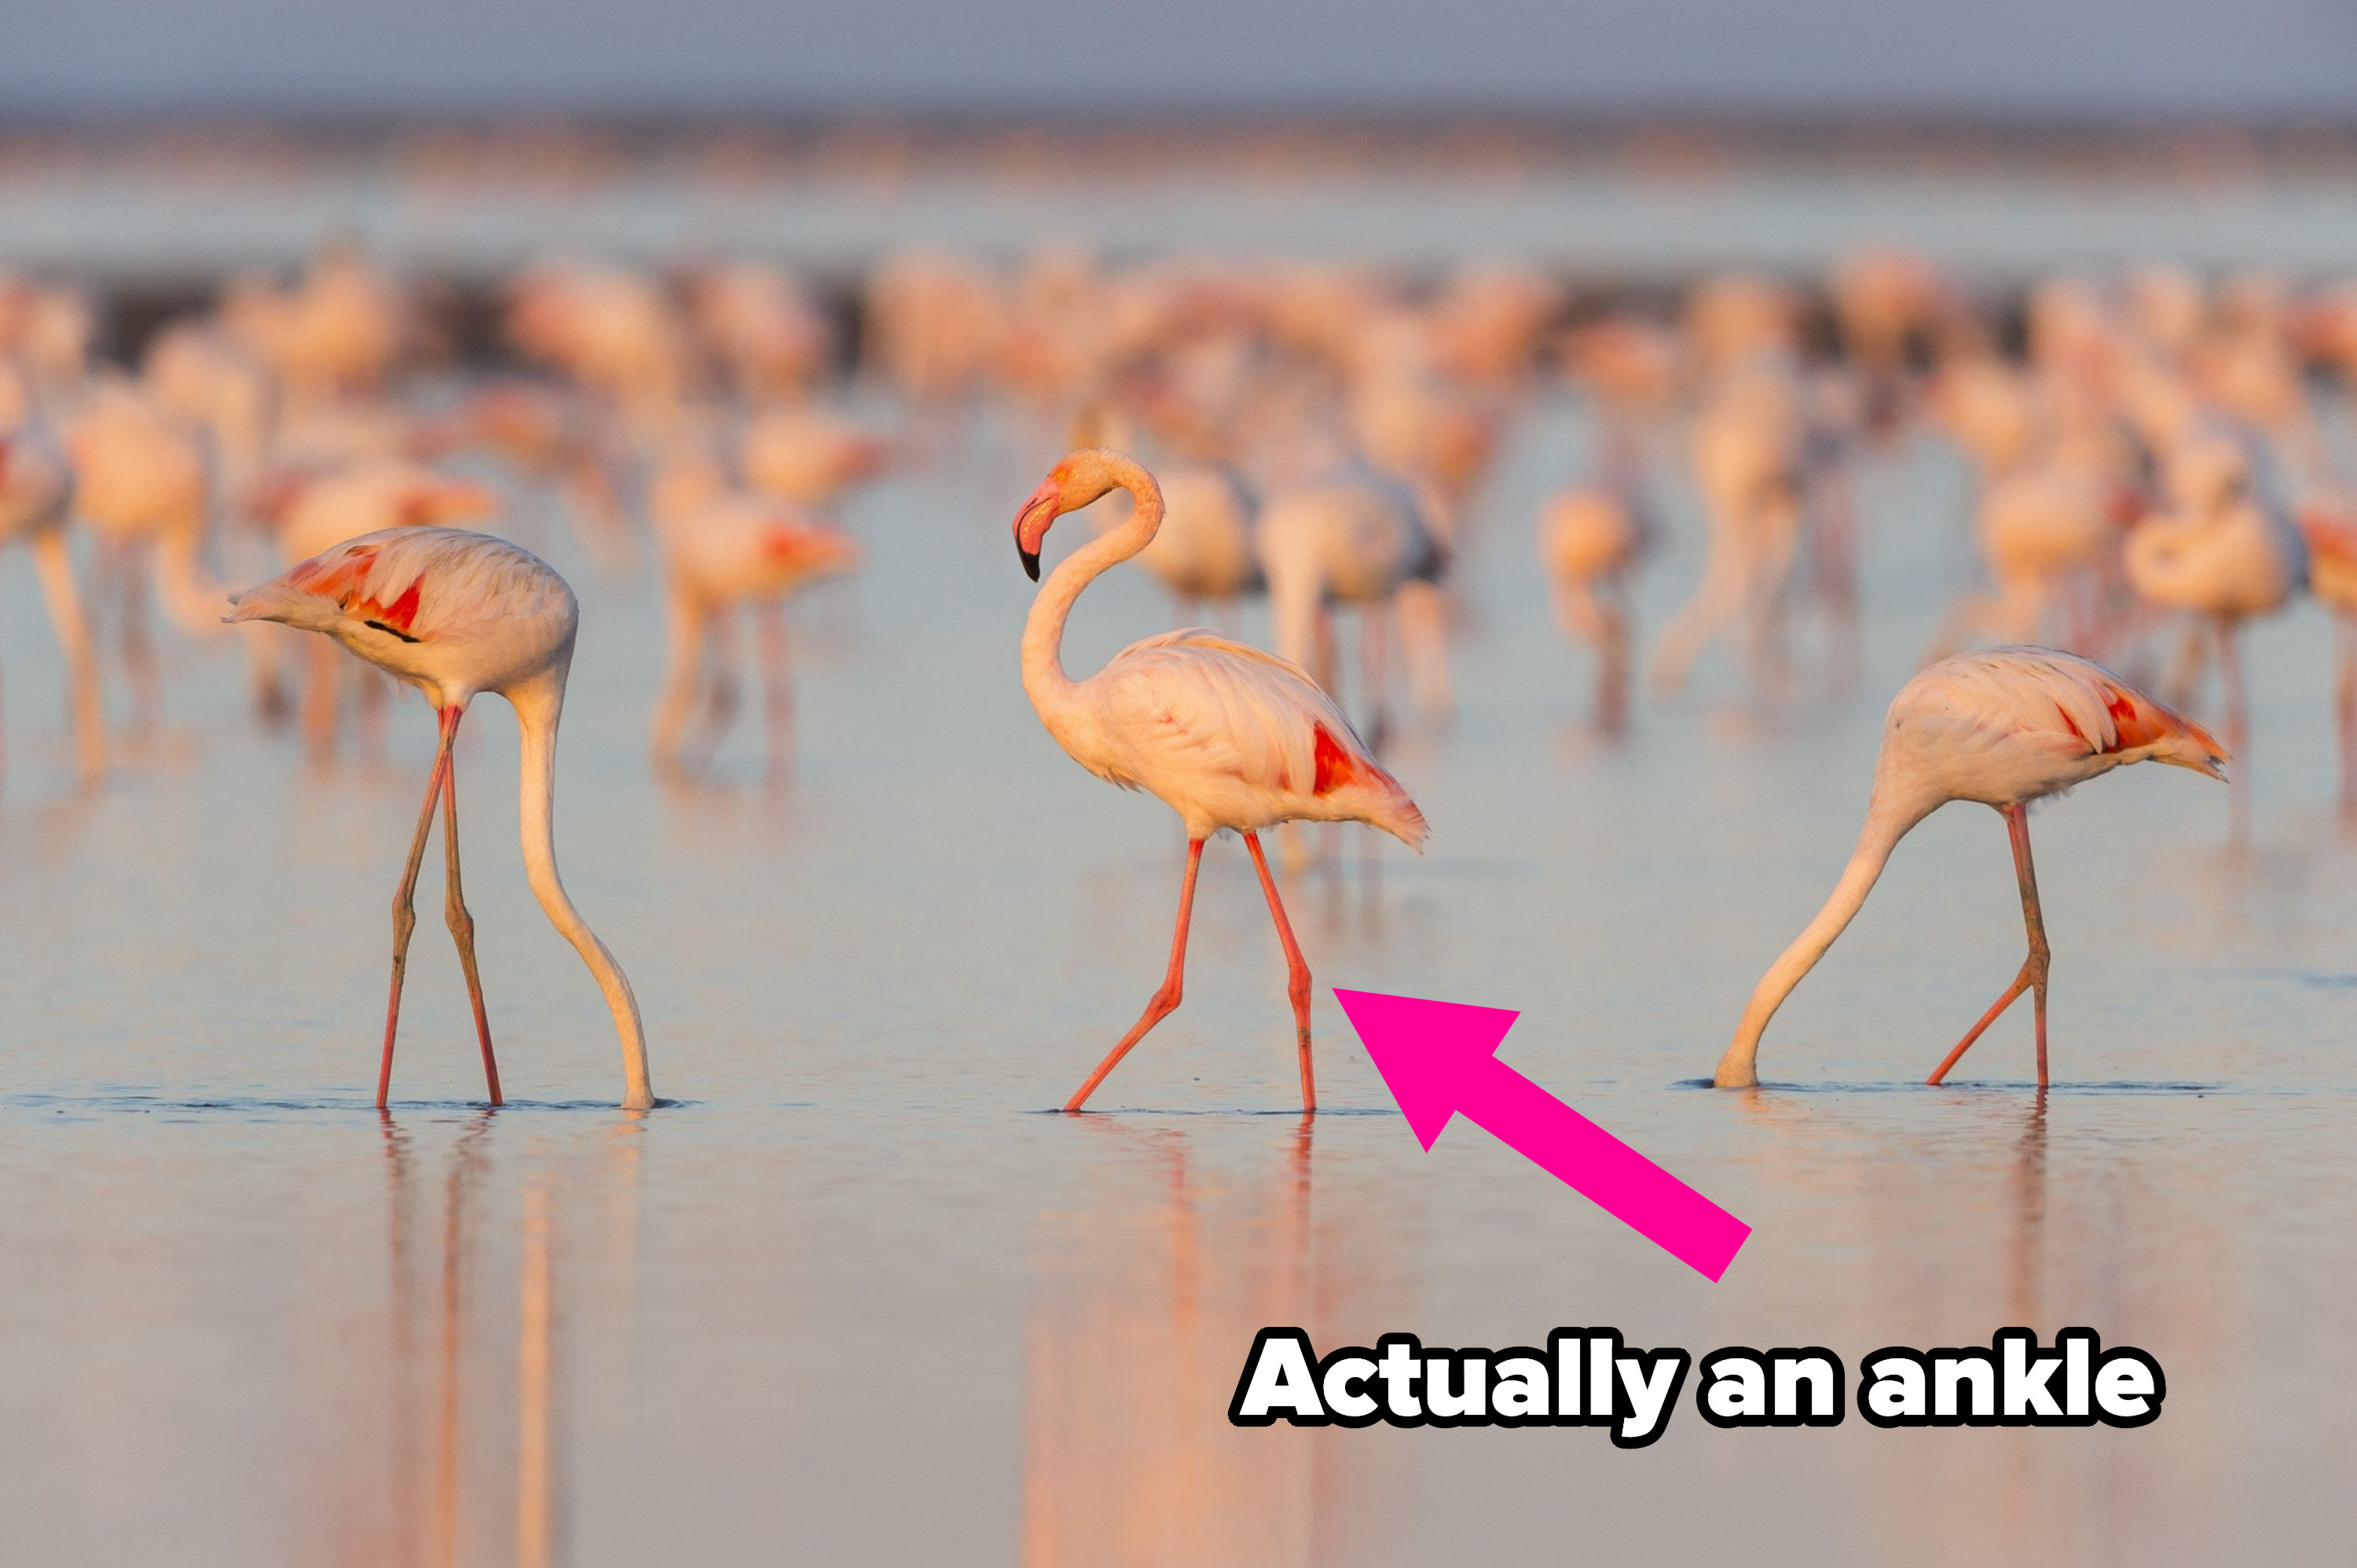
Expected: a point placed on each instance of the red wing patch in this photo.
(2071, 725)
(1337, 764)
(2329, 533)
(333, 577)
(339, 578)
(401, 614)
(2137, 723)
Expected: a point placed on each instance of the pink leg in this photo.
(2344, 651)
(454, 908)
(1370, 666)
(1165, 1000)
(777, 687)
(323, 697)
(404, 907)
(720, 711)
(2238, 729)
(2032, 977)
(138, 651)
(1297, 973)
(1612, 663)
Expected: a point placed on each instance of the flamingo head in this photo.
(1080, 478)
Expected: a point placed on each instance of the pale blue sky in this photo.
(2267, 58)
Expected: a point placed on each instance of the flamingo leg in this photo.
(1322, 667)
(1297, 973)
(2238, 726)
(376, 708)
(1165, 1000)
(677, 703)
(2186, 670)
(55, 563)
(323, 697)
(720, 711)
(404, 903)
(2032, 977)
(1371, 674)
(2344, 638)
(1612, 663)
(454, 906)
(138, 650)
(777, 686)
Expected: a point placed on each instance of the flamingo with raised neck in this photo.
(1224, 735)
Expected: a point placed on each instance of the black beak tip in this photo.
(1030, 562)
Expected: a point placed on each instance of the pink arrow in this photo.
(1440, 1057)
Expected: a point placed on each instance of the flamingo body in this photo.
(1227, 736)
(452, 612)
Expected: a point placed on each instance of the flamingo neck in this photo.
(539, 705)
(1888, 816)
(1044, 681)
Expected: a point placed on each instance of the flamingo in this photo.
(1226, 736)
(140, 485)
(807, 457)
(2230, 553)
(34, 488)
(1354, 536)
(724, 548)
(455, 613)
(2328, 524)
(1204, 550)
(2042, 528)
(1589, 537)
(2003, 726)
(1747, 451)
(761, 327)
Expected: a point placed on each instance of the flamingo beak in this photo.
(1032, 523)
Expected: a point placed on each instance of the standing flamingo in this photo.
(1589, 537)
(2004, 727)
(34, 490)
(1354, 536)
(723, 549)
(455, 613)
(1205, 550)
(2328, 522)
(2230, 551)
(1226, 736)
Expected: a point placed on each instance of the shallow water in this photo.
(852, 1298)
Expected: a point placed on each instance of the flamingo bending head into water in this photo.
(1226, 736)
(457, 614)
(2004, 727)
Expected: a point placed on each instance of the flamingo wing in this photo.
(415, 584)
(2075, 706)
(1197, 699)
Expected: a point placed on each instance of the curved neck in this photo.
(1887, 819)
(538, 706)
(1044, 680)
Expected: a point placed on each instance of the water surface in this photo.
(854, 1298)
